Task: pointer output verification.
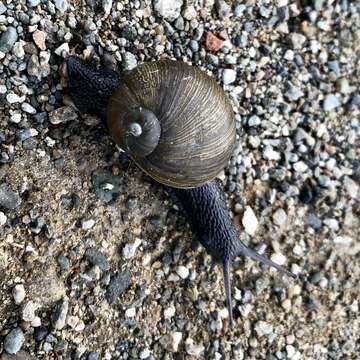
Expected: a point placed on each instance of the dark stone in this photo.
(118, 284)
(95, 257)
(8, 199)
(40, 333)
(106, 186)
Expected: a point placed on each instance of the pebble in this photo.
(131, 312)
(169, 312)
(62, 50)
(168, 9)
(279, 217)
(9, 199)
(228, 76)
(61, 5)
(97, 258)
(87, 224)
(278, 258)
(8, 39)
(59, 315)
(18, 50)
(26, 107)
(33, 3)
(249, 221)
(3, 219)
(263, 328)
(254, 121)
(14, 341)
(171, 341)
(343, 240)
(192, 348)
(351, 187)
(19, 294)
(331, 102)
(62, 115)
(118, 284)
(14, 98)
(270, 154)
(106, 186)
(129, 250)
(129, 61)
(183, 272)
(313, 221)
(293, 93)
(3, 8)
(107, 5)
(29, 309)
(297, 41)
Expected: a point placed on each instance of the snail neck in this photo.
(90, 87)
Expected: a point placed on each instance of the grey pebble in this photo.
(293, 93)
(128, 61)
(228, 76)
(61, 5)
(118, 284)
(280, 217)
(14, 340)
(8, 39)
(59, 315)
(313, 221)
(93, 356)
(28, 108)
(8, 199)
(3, 8)
(95, 257)
(331, 102)
(63, 262)
(106, 186)
(33, 3)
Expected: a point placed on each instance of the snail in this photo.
(176, 123)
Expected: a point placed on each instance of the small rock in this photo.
(8, 199)
(192, 348)
(60, 314)
(39, 39)
(270, 154)
(130, 249)
(87, 224)
(12, 98)
(18, 50)
(19, 294)
(8, 39)
(169, 312)
(293, 93)
(106, 186)
(183, 272)
(33, 3)
(249, 221)
(190, 13)
(297, 40)
(228, 76)
(145, 354)
(212, 42)
(62, 50)
(118, 284)
(28, 312)
(95, 257)
(129, 61)
(131, 312)
(168, 9)
(263, 328)
(26, 107)
(107, 5)
(351, 187)
(61, 5)
(254, 121)
(62, 115)
(278, 258)
(343, 240)
(279, 217)
(313, 221)
(170, 342)
(331, 102)
(13, 341)
(223, 9)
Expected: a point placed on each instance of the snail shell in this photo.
(174, 121)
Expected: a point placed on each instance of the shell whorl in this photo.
(142, 132)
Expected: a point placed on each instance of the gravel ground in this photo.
(113, 272)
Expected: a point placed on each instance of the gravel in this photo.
(97, 262)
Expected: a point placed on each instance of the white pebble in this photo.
(12, 98)
(28, 313)
(182, 271)
(131, 312)
(130, 249)
(88, 224)
(278, 258)
(343, 240)
(3, 218)
(169, 312)
(19, 293)
(263, 328)
(279, 217)
(249, 221)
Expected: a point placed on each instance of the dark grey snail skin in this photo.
(204, 206)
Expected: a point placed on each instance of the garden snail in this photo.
(177, 124)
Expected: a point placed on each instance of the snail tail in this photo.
(246, 251)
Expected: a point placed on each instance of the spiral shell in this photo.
(195, 134)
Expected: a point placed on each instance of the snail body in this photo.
(176, 123)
